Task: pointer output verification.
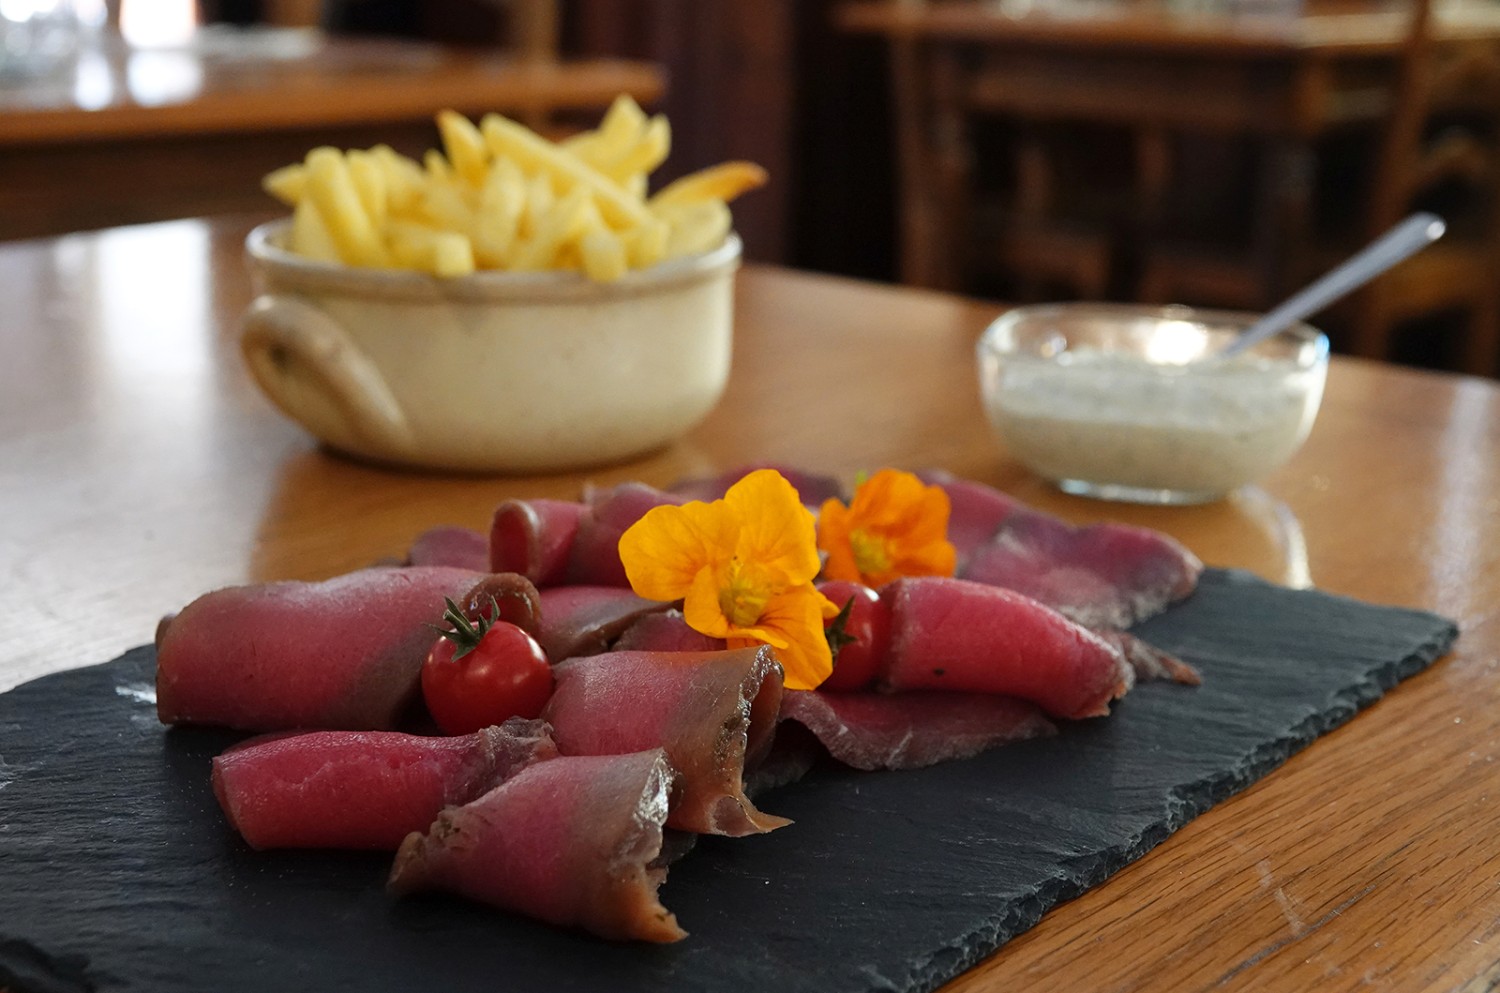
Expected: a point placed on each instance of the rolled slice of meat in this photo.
(341, 654)
(952, 634)
(595, 556)
(665, 631)
(911, 730)
(573, 841)
(364, 789)
(585, 620)
(535, 538)
(713, 712)
(462, 548)
(1102, 575)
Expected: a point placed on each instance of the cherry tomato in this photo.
(868, 625)
(480, 674)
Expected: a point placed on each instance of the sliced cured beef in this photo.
(341, 654)
(504, 596)
(1101, 575)
(364, 789)
(812, 488)
(575, 842)
(713, 712)
(953, 634)
(911, 730)
(535, 538)
(665, 631)
(1150, 663)
(585, 620)
(975, 511)
(462, 548)
(595, 556)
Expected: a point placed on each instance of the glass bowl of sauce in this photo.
(1130, 403)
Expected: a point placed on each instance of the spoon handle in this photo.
(1405, 239)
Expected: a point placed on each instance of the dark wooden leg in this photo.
(1482, 346)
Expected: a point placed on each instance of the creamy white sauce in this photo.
(1108, 419)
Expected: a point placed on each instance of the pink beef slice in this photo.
(1149, 662)
(462, 548)
(666, 631)
(534, 538)
(594, 559)
(341, 654)
(574, 842)
(975, 511)
(713, 712)
(1102, 575)
(952, 634)
(364, 789)
(910, 730)
(585, 620)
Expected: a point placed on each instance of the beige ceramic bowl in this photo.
(493, 372)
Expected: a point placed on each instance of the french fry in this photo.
(621, 127)
(531, 151)
(646, 245)
(696, 227)
(332, 192)
(648, 152)
(404, 179)
(286, 184)
(562, 223)
(720, 182)
(497, 219)
(603, 255)
(442, 253)
(369, 183)
(310, 235)
(437, 168)
(465, 147)
(444, 205)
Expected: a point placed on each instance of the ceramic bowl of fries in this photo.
(513, 305)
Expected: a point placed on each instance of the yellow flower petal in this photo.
(797, 615)
(777, 533)
(664, 551)
(896, 525)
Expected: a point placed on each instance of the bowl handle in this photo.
(308, 366)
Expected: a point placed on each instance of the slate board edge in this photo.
(1193, 799)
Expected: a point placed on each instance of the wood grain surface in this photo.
(140, 467)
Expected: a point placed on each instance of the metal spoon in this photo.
(1399, 243)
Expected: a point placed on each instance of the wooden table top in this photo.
(139, 467)
(230, 82)
(1325, 30)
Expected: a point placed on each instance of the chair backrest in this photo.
(1444, 125)
(531, 25)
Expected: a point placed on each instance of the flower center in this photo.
(741, 598)
(871, 554)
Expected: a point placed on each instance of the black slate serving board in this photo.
(117, 871)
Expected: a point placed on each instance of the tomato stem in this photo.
(466, 634)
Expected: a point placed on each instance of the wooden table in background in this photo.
(148, 134)
(139, 467)
(1158, 70)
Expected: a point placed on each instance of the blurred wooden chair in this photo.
(532, 25)
(1438, 148)
(529, 33)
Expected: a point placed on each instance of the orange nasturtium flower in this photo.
(895, 526)
(743, 567)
